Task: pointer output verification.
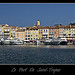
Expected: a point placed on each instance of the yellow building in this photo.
(61, 31)
(1, 31)
(69, 32)
(27, 34)
(34, 33)
(31, 33)
(43, 32)
(12, 31)
(2, 26)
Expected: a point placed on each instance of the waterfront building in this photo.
(2, 30)
(34, 33)
(53, 32)
(38, 32)
(7, 32)
(12, 31)
(61, 31)
(69, 32)
(20, 33)
(27, 34)
(43, 32)
(31, 33)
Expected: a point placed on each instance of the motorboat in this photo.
(55, 41)
(63, 41)
(47, 41)
(5, 42)
(16, 41)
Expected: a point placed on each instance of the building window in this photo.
(50, 32)
(28, 35)
(31, 35)
(25, 35)
(36, 35)
(28, 38)
(46, 30)
(54, 32)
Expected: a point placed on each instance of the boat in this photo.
(63, 41)
(16, 41)
(47, 41)
(55, 41)
(5, 42)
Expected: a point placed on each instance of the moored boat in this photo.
(55, 41)
(16, 41)
(63, 41)
(47, 41)
(5, 42)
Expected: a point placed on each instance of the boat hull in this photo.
(47, 43)
(55, 43)
(16, 43)
(5, 42)
(63, 43)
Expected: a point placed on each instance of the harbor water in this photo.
(37, 54)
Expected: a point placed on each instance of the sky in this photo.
(27, 14)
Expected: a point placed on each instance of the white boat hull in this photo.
(5, 42)
(16, 42)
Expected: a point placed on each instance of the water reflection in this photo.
(42, 46)
(49, 46)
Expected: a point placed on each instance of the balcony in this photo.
(6, 31)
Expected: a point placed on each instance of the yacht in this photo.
(55, 41)
(63, 41)
(47, 41)
(16, 41)
(5, 42)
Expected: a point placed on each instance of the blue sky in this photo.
(26, 14)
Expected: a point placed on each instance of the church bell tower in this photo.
(38, 23)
